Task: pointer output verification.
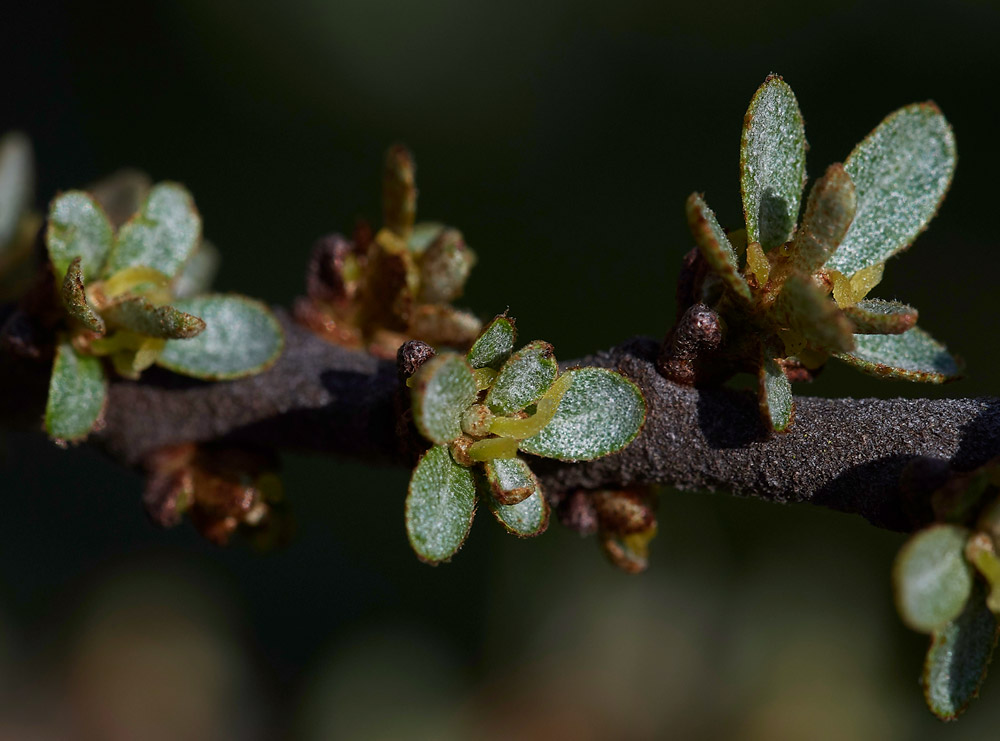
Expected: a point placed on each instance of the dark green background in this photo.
(562, 138)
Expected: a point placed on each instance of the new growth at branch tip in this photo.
(780, 295)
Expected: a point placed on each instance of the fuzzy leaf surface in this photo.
(875, 316)
(805, 309)
(829, 212)
(77, 391)
(444, 267)
(17, 183)
(241, 338)
(958, 659)
(600, 413)
(198, 273)
(138, 315)
(78, 228)
(523, 379)
(772, 163)
(931, 578)
(714, 245)
(74, 296)
(777, 405)
(911, 356)
(526, 519)
(510, 480)
(494, 345)
(443, 388)
(440, 505)
(902, 171)
(162, 235)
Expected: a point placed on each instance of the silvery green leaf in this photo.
(772, 163)
(440, 506)
(444, 267)
(77, 391)
(526, 519)
(931, 578)
(902, 171)
(911, 356)
(523, 379)
(714, 245)
(959, 657)
(78, 228)
(17, 183)
(875, 316)
(241, 338)
(805, 309)
(161, 235)
(494, 345)
(510, 480)
(74, 296)
(198, 273)
(777, 405)
(138, 315)
(829, 212)
(600, 413)
(442, 389)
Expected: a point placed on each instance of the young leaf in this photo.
(875, 316)
(161, 235)
(958, 659)
(714, 245)
(523, 379)
(443, 388)
(772, 163)
(241, 338)
(777, 405)
(76, 394)
(526, 519)
(444, 268)
(902, 171)
(600, 413)
(197, 274)
(78, 228)
(829, 213)
(440, 506)
(399, 191)
(138, 315)
(510, 480)
(494, 345)
(74, 296)
(931, 578)
(17, 183)
(911, 356)
(805, 309)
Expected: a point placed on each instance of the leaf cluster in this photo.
(483, 411)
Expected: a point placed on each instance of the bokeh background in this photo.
(563, 138)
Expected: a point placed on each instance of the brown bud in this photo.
(624, 511)
(577, 512)
(460, 451)
(326, 279)
(411, 355)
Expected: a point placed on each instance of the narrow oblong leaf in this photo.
(600, 413)
(523, 379)
(875, 316)
(911, 356)
(902, 171)
(162, 235)
(78, 228)
(399, 191)
(74, 296)
(805, 309)
(440, 506)
(714, 245)
(931, 578)
(197, 274)
(829, 212)
(138, 315)
(777, 405)
(241, 337)
(958, 659)
(77, 391)
(494, 345)
(17, 183)
(772, 163)
(510, 480)
(443, 388)
(526, 519)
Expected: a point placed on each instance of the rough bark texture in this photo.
(847, 454)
